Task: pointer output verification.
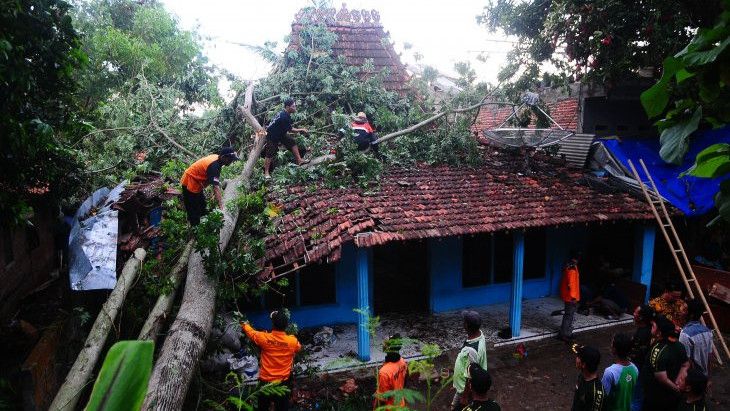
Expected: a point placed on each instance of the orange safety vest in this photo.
(277, 353)
(195, 178)
(391, 377)
(569, 284)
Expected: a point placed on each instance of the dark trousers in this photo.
(281, 402)
(195, 206)
(566, 328)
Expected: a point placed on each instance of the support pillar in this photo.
(644, 256)
(362, 262)
(515, 305)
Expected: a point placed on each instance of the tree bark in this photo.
(163, 306)
(190, 331)
(80, 374)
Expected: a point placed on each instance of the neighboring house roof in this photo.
(439, 201)
(360, 36)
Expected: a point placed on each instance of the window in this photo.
(476, 260)
(312, 285)
(534, 266)
(486, 259)
(317, 284)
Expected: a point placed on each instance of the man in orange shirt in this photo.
(570, 294)
(199, 175)
(392, 375)
(277, 357)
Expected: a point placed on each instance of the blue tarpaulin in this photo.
(692, 195)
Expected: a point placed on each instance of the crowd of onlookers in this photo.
(663, 366)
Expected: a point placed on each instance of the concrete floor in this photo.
(445, 329)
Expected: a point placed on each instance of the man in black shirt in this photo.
(480, 381)
(695, 386)
(588, 390)
(277, 133)
(666, 365)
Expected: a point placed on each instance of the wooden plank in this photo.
(720, 292)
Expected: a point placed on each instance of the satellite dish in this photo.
(528, 137)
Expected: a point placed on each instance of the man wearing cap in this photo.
(392, 375)
(473, 351)
(363, 133)
(277, 132)
(589, 395)
(199, 175)
(277, 357)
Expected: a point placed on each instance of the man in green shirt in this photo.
(666, 365)
(473, 350)
(588, 390)
(620, 378)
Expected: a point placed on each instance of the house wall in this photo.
(27, 257)
(446, 290)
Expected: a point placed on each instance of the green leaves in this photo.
(674, 139)
(712, 162)
(655, 99)
(122, 381)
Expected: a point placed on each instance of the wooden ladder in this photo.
(675, 245)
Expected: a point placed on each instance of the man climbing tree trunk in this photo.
(189, 333)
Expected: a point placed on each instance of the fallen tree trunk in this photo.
(80, 374)
(163, 306)
(189, 332)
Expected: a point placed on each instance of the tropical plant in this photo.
(122, 381)
(694, 92)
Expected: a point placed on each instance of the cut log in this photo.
(81, 372)
(188, 335)
(161, 311)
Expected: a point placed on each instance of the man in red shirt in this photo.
(570, 294)
(201, 174)
(363, 133)
(392, 375)
(277, 357)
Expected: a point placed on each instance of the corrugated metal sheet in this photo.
(575, 149)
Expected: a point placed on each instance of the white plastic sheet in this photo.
(93, 242)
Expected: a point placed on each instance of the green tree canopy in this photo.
(605, 39)
(39, 55)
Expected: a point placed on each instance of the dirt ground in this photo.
(542, 381)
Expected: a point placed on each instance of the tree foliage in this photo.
(604, 39)
(694, 92)
(39, 55)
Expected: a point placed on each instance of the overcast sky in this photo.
(444, 32)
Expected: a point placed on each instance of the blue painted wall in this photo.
(329, 314)
(644, 256)
(447, 292)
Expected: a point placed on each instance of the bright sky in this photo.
(444, 32)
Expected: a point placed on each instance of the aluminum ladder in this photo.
(680, 256)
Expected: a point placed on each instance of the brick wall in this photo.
(564, 112)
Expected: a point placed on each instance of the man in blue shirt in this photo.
(696, 338)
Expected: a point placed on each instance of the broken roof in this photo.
(440, 201)
(360, 36)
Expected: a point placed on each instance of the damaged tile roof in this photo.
(360, 36)
(439, 201)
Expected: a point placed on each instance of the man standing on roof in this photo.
(277, 133)
(277, 358)
(570, 294)
(473, 351)
(199, 175)
(363, 133)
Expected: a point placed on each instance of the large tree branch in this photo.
(190, 331)
(80, 374)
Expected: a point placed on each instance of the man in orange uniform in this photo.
(200, 174)
(570, 294)
(392, 375)
(277, 357)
